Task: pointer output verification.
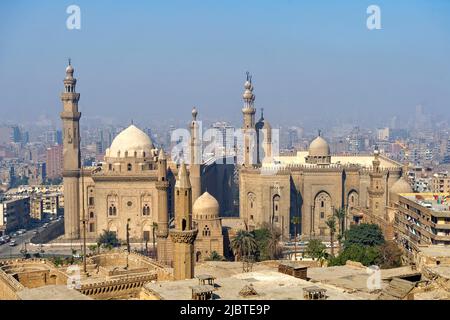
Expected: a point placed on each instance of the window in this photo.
(91, 201)
(129, 167)
(112, 211)
(183, 224)
(129, 203)
(91, 227)
(206, 232)
(146, 210)
(322, 204)
(91, 215)
(322, 215)
(146, 235)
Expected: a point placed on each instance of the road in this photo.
(23, 240)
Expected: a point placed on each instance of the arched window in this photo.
(275, 208)
(112, 210)
(129, 167)
(146, 210)
(183, 224)
(206, 232)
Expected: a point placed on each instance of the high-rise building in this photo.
(54, 161)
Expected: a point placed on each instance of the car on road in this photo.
(45, 225)
(13, 235)
(12, 243)
(21, 231)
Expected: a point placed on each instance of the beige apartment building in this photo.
(421, 220)
(440, 182)
(14, 214)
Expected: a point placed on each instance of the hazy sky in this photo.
(154, 60)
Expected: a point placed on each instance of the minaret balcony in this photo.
(187, 236)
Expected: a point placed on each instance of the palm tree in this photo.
(295, 221)
(244, 245)
(154, 227)
(273, 244)
(340, 214)
(331, 223)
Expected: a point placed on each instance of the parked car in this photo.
(45, 225)
(12, 243)
(13, 235)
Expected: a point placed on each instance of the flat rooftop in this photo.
(269, 285)
(439, 202)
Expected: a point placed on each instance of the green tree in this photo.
(108, 239)
(363, 254)
(340, 214)
(316, 249)
(331, 224)
(244, 244)
(295, 221)
(364, 235)
(214, 256)
(273, 243)
(93, 248)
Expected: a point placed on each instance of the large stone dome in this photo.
(131, 142)
(206, 206)
(401, 186)
(319, 148)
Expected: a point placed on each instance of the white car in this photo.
(12, 243)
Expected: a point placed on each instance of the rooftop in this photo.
(438, 202)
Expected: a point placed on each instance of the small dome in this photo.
(401, 186)
(206, 204)
(129, 142)
(319, 147)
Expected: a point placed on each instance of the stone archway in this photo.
(323, 209)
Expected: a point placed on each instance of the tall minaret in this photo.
(248, 129)
(376, 190)
(162, 234)
(71, 154)
(183, 235)
(195, 157)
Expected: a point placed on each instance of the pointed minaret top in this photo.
(194, 113)
(161, 155)
(183, 178)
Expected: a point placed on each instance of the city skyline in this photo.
(198, 55)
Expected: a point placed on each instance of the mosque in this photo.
(138, 189)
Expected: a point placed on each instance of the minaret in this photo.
(195, 157)
(183, 235)
(162, 234)
(248, 129)
(376, 190)
(71, 155)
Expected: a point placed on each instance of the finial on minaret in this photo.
(194, 113)
(70, 62)
(262, 113)
(132, 122)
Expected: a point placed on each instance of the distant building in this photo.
(440, 182)
(54, 160)
(14, 214)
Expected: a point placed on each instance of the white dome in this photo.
(206, 204)
(319, 147)
(130, 142)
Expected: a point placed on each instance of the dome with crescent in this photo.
(131, 142)
(319, 147)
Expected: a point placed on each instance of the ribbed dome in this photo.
(401, 186)
(129, 143)
(206, 204)
(319, 147)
